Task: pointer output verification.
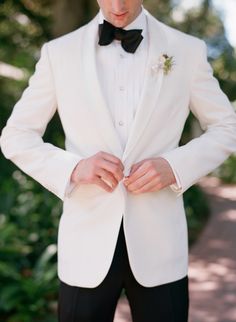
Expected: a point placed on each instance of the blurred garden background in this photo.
(29, 214)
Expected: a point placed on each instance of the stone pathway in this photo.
(212, 270)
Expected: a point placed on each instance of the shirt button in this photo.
(121, 123)
(122, 56)
(122, 88)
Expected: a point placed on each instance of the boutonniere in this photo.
(165, 63)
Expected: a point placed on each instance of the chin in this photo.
(119, 24)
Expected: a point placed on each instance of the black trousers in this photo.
(163, 303)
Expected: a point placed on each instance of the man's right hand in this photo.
(103, 169)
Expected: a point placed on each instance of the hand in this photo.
(149, 175)
(103, 169)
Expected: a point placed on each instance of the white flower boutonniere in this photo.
(165, 63)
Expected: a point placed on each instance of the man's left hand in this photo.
(149, 175)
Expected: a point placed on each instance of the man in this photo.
(123, 86)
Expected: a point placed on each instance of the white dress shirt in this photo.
(121, 76)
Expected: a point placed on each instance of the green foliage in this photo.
(197, 211)
(227, 172)
(29, 215)
(28, 225)
(24, 25)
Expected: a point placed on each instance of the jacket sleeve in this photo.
(21, 139)
(218, 120)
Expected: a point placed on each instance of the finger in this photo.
(140, 182)
(108, 177)
(110, 157)
(135, 167)
(114, 169)
(102, 184)
(141, 170)
(151, 186)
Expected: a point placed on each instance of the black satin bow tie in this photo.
(130, 39)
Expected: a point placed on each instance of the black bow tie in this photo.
(130, 39)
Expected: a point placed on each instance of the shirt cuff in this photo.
(71, 185)
(69, 188)
(176, 187)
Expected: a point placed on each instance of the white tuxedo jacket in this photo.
(154, 223)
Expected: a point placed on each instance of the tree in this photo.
(74, 12)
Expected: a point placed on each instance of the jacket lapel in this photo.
(152, 83)
(100, 114)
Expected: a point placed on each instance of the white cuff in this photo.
(176, 187)
(71, 185)
(69, 188)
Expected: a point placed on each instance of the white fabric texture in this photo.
(66, 79)
(121, 76)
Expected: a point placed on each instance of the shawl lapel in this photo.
(152, 83)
